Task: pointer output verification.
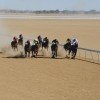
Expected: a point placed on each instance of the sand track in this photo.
(44, 78)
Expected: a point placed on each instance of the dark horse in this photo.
(67, 46)
(54, 49)
(20, 42)
(71, 48)
(74, 50)
(14, 45)
(27, 49)
(40, 41)
(34, 49)
(45, 43)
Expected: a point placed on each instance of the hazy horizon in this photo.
(34, 5)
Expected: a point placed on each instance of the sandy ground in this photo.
(44, 78)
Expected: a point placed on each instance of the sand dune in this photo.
(44, 78)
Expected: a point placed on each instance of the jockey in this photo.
(68, 40)
(74, 42)
(21, 36)
(55, 41)
(39, 38)
(28, 42)
(36, 41)
(15, 39)
(45, 39)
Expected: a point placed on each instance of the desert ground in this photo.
(44, 78)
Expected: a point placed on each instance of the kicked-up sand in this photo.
(44, 78)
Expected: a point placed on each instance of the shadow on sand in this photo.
(16, 56)
(48, 57)
(39, 56)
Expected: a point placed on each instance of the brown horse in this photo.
(34, 49)
(14, 45)
(20, 42)
(27, 49)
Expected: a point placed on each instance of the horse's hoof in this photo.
(52, 57)
(72, 57)
(31, 56)
(67, 57)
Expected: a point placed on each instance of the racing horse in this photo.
(27, 49)
(54, 49)
(34, 49)
(45, 43)
(20, 42)
(67, 47)
(14, 45)
(71, 48)
(40, 41)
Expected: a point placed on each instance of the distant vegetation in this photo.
(51, 12)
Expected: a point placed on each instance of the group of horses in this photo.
(15, 44)
(44, 44)
(34, 48)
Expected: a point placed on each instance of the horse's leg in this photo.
(36, 52)
(25, 53)
(12, 47)
(69, 51)
(29, 54)
(22, 44)
(74, 53)
(56, 51)
(47, 47)
(32, 53)
(17, 48)
(54, 54)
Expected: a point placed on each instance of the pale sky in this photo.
(50, 4)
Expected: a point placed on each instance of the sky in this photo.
(50, 4)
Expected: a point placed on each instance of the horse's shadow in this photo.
(16, 56)
(48, 57)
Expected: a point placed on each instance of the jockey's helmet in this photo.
(74, 40)
(68, 39)
(39, 36)
(14, 37)
(28, 41)
(20, 35)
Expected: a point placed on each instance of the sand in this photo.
(44, 78)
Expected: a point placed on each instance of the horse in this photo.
(54, 49)
(71, 49)
(14, 45)
(74, 50)
(20, 42)
(40, 41)
(27, 49)
(45, 43)
(34, 50)
(67, 46)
